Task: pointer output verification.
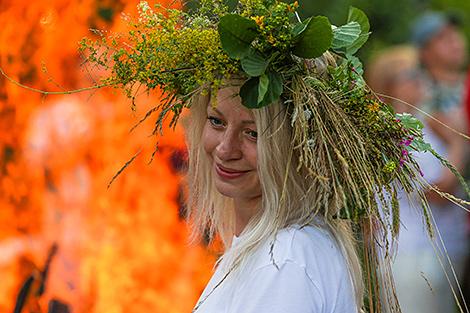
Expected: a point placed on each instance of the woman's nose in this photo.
(229, 147)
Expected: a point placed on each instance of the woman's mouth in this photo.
(228, 173)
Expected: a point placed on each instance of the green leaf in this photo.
(356, 64)
(357, 15)
(409, 121)
(262, 87)
(345, 35)
(357, 44)
(249, 93)
(420, 145)
(274, 89)
(315, 39)
(236, 34)
(254, 64)
(250, 90)
(299, 28)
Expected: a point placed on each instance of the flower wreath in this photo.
(360, 150)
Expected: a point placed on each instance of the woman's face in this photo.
(229, 138)
(447, 48)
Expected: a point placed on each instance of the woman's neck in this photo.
(245, 209)
(445, 76)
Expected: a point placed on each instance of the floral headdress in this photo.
(353, 144)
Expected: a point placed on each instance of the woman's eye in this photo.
(215, 121)
(253, 134)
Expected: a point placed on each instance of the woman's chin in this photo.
(227, 189)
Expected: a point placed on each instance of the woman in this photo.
(290, 153)
(280, 257)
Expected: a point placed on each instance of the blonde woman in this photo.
(243, 182)
(289, 151)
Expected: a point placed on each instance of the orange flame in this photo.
(122, 249)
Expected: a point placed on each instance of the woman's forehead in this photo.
(229, 102)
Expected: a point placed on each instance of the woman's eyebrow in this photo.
(243, 122)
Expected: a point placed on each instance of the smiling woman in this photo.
(244, 185)
(292, 158)
(230, 141)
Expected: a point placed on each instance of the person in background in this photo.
(420, 279)
(442, 56)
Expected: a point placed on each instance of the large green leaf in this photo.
(274, 89)
(345, 35)
(249, 93)
(357, 15)
(254, 64)
(299, 28)
(250, 90)
(236, 34)
(357, 44)
(262, 87)
(315, 39)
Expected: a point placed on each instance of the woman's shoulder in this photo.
(311, 247)
(313, 251)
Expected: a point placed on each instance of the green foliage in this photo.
(390, 20)
(180, 53)
(268, 48)
(358, 16)
(236, 34)
(254, 64)
(260, 91)
(315, 39)
(183, 54)
(345, 35)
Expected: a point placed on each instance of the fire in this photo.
(122, 249)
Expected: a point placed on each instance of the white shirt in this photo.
(450, 219)
(311, 277)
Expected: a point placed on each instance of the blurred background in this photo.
(68, 243)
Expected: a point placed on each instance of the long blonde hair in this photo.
(287, 196)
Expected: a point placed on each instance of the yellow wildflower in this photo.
(271, 39)
(259, 20)
(375, 106)
(293, 6)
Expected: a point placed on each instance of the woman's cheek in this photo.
(209, 139)
(252, 155)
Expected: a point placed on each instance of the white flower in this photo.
(307, 114)
(294, 116)
(144, 6)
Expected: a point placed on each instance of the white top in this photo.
(311, 277)
(450, 219)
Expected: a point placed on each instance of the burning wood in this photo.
(34, 286)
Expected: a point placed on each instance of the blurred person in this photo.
(420, 279)
(442, 56)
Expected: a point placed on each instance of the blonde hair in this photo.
(387, 65)
(287, 196)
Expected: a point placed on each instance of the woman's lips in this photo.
(228, 173)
